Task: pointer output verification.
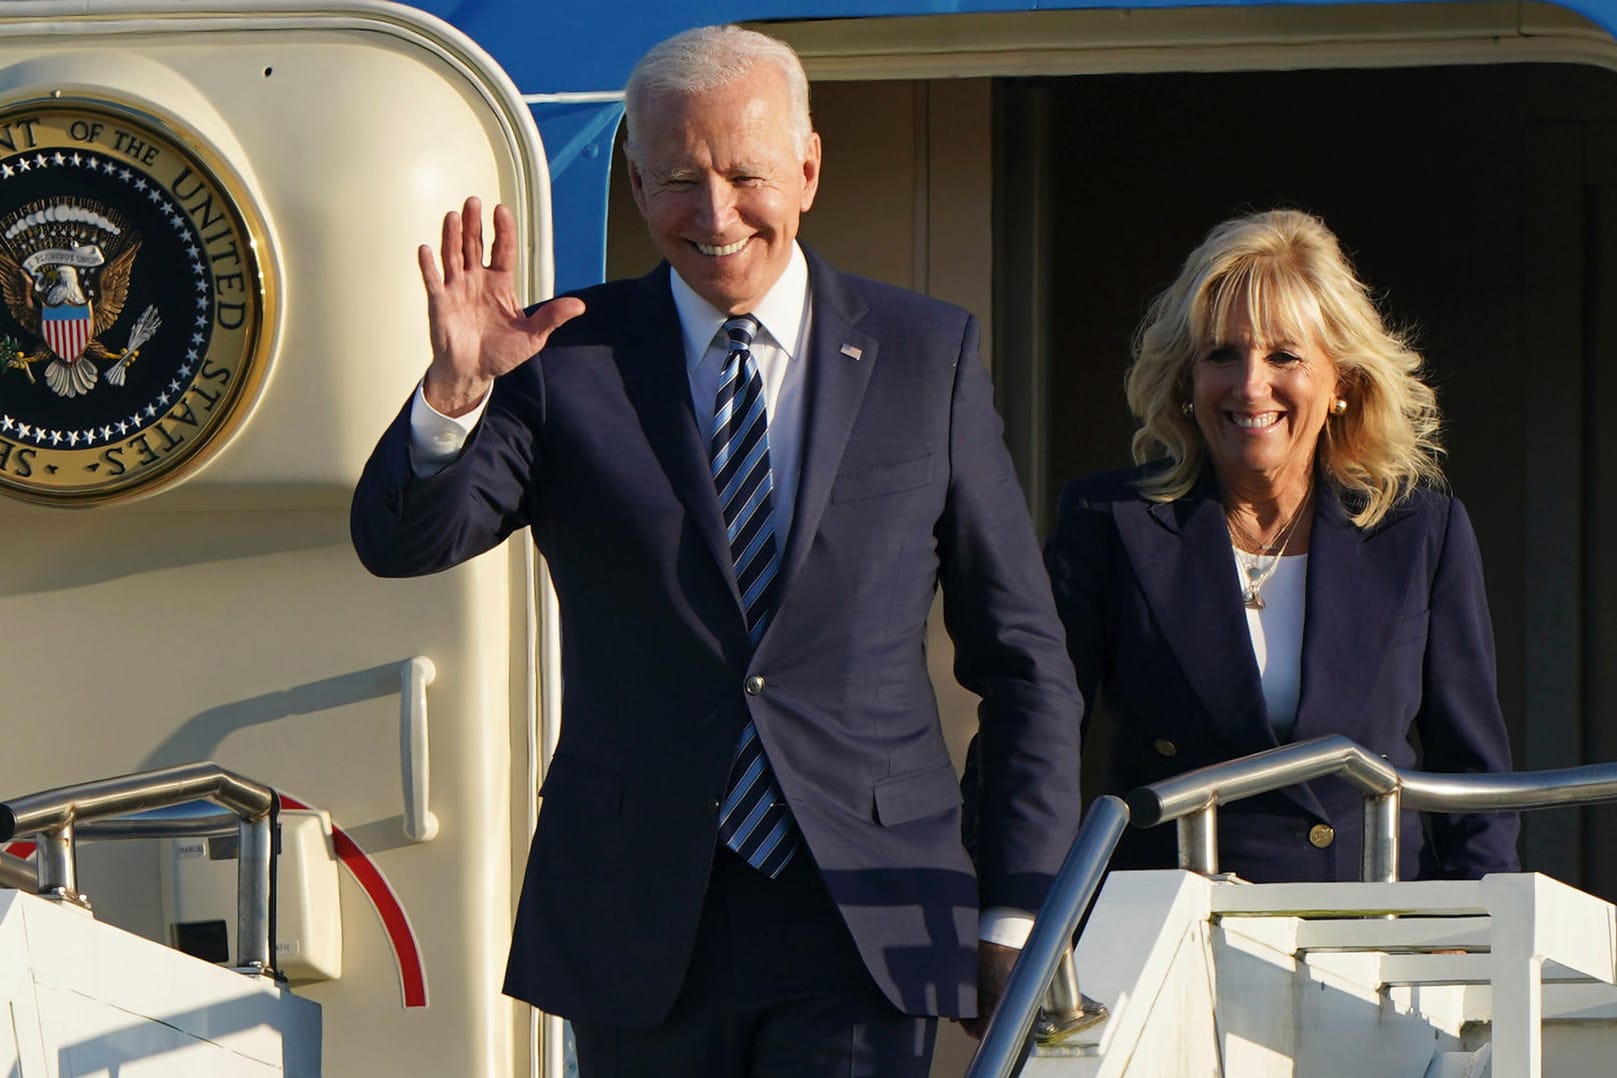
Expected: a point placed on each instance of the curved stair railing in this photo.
(1044, 976)
(1192, 799)
(1042, 1000)
(149, 804)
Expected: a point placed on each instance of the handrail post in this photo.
(1198, 840)
(1378, 854)
(1063, 1003)
(58, 875)
(253, 886)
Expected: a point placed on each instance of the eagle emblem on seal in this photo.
(65, 268)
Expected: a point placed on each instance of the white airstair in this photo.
(1189, 973)
(1437, 979)
(84, 999)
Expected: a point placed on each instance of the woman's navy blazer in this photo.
(1398, 655)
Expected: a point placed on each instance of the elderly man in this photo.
(748, 473)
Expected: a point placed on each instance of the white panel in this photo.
(93, 1040)
(85, 1000)
(10, 1050)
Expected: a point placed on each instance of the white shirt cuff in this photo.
(1004, 925)
(437, 439)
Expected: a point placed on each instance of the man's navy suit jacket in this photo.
(1396, 642)
(905, 485)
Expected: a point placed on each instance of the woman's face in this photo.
(1261, 405)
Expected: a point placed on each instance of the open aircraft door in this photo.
(208, 224)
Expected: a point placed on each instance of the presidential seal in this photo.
(135, 302)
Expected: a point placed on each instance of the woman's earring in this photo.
(1188, 408)
(1339, 406)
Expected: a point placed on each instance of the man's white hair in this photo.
(706, 58)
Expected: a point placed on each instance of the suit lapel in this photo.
(1181, 556)
(835, 384)
(653, 364)
(1356, 585)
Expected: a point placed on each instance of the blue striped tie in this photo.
(753, 820)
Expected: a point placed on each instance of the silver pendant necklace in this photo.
(1257, 571)
(1258, 568)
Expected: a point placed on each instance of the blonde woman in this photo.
(1283, 563)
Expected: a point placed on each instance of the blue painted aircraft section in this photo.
(553, 51)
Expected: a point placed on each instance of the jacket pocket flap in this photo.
(584, 786)
(917, 794)
(886, 477)
(1414, 627)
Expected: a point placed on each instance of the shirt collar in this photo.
(780, 312)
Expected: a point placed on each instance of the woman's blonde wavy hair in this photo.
(1298, 286)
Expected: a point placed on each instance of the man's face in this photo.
(721, 185)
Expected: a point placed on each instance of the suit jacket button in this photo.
(754, 685)
(1164, 747)
(1321, 835)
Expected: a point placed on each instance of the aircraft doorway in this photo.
(1480, 204)
(1477, 200)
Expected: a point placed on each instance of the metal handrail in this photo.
(192, 819)
(55, 817)
(1192, 799)
(1044, 970)
(1259, 773)
(18, 873)
(1505, 791)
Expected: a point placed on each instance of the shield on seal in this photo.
(66, 328)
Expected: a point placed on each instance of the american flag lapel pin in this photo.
(852, 352)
